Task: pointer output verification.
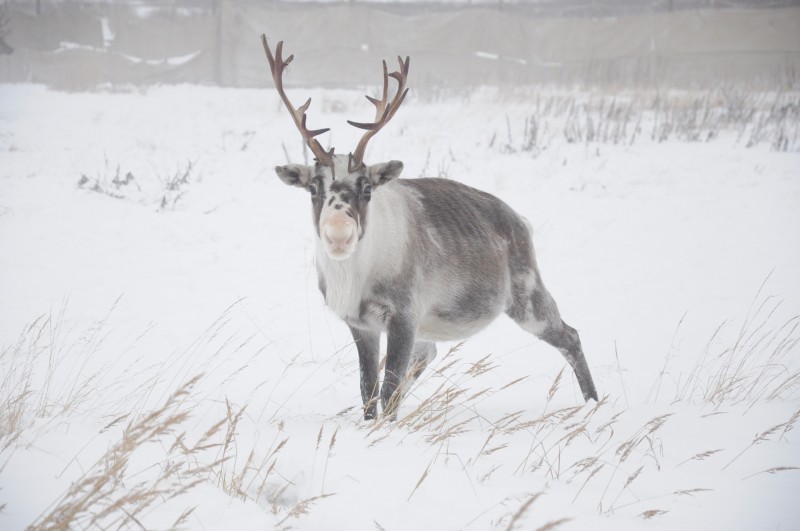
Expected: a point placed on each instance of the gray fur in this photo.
(440, 261)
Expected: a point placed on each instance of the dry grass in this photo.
(598, 448)
(701, 456)
(419, 482)
(98, 500)
(774, 470)
(44, 377)
(521, 511)
(775, 431)
(626, 117)
(163, 188)
(602, 453)
(754, 368)
(159, 455)
(555, 524)
(652, 513)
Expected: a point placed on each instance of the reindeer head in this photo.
(341, 186)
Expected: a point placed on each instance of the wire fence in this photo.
(79, 44)
(560, 8)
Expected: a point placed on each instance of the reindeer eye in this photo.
(312, 189)
(367, 189)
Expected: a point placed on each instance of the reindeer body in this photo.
(435, 260)
(421, 260)
(444, 266)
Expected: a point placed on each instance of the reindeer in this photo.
(421, 260)
(5, 22)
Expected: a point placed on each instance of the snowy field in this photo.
(168, 360)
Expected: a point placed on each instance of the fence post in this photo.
(219, 6)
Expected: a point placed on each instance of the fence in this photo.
(78, 45)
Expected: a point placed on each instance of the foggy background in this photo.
(78, 45)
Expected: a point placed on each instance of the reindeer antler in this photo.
(277, 66)
(384, 110)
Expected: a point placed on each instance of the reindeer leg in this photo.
(566, 340)
(423, 354)
(368, 346)
(400, 342)
(537, 313)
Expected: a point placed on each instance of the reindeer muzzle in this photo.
(339, 235)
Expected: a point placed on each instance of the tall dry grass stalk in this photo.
(757, 366)
(98, 499)
(594, 447)
(627, 117)
(774, 432)
(108, 496)
(522, 510)
(48, 378)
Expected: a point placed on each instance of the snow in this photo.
(496, 57)
(172, 61)
(150, 231)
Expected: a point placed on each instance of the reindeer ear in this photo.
(384, 172)
(295, 174)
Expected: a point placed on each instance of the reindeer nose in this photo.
(340, 230)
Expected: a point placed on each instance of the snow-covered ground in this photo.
(165, 347)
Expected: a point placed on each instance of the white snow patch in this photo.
(653, 229)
